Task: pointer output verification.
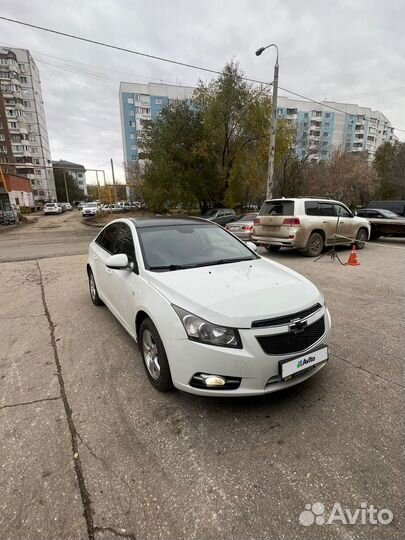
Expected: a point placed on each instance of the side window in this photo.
(124, 242)
(373, 214)
(362, 213)
(221, 213)
(106, 238)
(341, 211)
(312, 208)
(327, 209)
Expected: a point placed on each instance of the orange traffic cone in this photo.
(352, 260)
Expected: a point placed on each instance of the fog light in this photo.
(214, 380)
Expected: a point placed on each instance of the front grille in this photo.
(276, 321)
(289, 342)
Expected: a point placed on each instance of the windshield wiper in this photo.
(170, 267)
(225, 261)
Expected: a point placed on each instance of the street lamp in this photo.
(273, 123)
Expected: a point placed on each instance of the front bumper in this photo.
(258, 371)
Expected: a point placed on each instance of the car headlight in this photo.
(198, 329)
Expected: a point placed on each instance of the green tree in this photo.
(389, 164)
(74, 192)
(214, 151)
(236, 128)
(179, 169)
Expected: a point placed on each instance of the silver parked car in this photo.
(242, 227)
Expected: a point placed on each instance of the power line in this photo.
(123, 49)
(175, 62)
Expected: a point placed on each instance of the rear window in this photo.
(248, 217)
(277, 208)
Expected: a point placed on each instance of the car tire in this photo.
(361, 238)
(315, 245)
(93, 290)
(273, 248)
(154, 357)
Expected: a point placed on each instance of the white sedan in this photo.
(211, 317)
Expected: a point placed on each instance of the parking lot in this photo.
(89, 449)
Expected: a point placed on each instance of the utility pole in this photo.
(98, 186)
(113, 177)
(66, 189)
(273, 124)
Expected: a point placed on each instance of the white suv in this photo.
(90, 209)
(308, 224)
(52, 208)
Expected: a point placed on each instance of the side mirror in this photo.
(252, 246)
(118, 262)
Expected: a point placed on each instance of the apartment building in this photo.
(144, 102)
(24, 124)
(76, 171)
(323, 128)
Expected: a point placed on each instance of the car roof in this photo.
(278, 199)
(159, 221)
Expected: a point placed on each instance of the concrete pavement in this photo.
(90, 450)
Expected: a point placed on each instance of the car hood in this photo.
(235, 294)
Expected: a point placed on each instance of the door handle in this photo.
(341, 223)
(324, 222)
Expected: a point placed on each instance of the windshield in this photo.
(277, 208)
(91, 205)
(50, 205)
(176, 247)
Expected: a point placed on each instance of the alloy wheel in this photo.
(151, 354)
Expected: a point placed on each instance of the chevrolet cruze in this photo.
(210, 315)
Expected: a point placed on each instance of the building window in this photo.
(131, 100)
(133, 146)
(325, 133)
(131, 123)
(131, 112)
(158, 101)
(133, 157)
(23, 80)
(2, 137)
(37, 172)
(41, 193)
(327, 115)
(317, 113)
(80, 175)
(326, 125)
(132, 135)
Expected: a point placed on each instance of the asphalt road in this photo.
(89, 449)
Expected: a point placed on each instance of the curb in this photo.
(90, 224)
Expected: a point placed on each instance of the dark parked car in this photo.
(398, 207)
(383, 222)
(243, 227)
(222, 216)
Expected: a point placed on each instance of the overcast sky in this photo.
(341, 50)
